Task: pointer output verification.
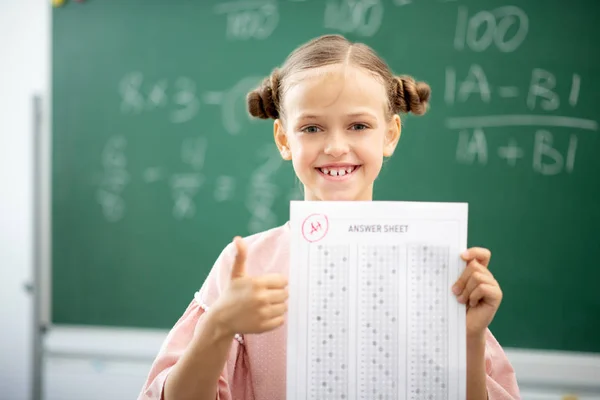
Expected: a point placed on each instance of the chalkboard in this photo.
(156, 164)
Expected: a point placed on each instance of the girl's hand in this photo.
(250, 304)
(478, 289)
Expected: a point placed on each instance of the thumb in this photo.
(239, 263)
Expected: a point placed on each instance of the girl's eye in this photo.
(311, 129)
(359, 127)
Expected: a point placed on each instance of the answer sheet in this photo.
(371, 311)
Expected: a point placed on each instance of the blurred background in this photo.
(128, 162)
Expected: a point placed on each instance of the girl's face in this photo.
(336, 131)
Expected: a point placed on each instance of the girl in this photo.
(335, 106)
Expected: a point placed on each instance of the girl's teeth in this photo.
(337, 172)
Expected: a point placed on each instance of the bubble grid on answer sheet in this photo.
(329, 312)
(428, 335)
(382, 371)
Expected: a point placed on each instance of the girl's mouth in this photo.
(335, 173)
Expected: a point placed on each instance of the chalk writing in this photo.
(153, 174)
(547, 159)
(157, 96)
(363, 17)
(508, 91)
(249, 19)
(132, 101)
(262, 192)
(542, 87)
(193, 152)
(475, 83)
(511, 152)
(184, 187)
(479, 31)
(233, 111)
(185, 99)
(261, 198)
(233, 103)
(472, 148)
(406, 2)
(224, 188)
(575, 86)
(521, 120)
(139, 96)
(114, 179)
(541, 92)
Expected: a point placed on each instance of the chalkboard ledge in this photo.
(534, 368)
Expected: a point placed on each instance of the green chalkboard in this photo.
(156, 165)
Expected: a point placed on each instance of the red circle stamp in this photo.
(315, 227)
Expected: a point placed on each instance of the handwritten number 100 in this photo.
(486, 27)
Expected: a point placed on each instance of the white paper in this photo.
(371, 313)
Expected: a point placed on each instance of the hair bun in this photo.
(263, 102)
(410, 96)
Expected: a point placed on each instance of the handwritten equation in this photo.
(139, 96)
(183, 101)
(261, 192)
(546, 157)
(548, 141)
(541, 93)
(505, 29)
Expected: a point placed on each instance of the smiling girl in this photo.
(335, 107)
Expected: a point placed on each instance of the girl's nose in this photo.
(336, 145)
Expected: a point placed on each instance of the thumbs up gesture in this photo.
(251, 304)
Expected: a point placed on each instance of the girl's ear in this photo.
(392, 136)
(281, 140)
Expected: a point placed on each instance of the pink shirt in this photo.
(256, 368)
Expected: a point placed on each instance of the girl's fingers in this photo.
(485, 292)
(273, 323)
(276, 296)
(274, 311)
(481, 254)
(472, 266)
(271, 281)
(238, 269)
(477, 278)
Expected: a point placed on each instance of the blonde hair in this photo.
(404, 93)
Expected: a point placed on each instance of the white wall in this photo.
(24, 70)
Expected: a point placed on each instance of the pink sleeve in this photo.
(181, 334)
(501, 378)
(170, 352)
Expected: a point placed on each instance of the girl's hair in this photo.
(404, 93)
